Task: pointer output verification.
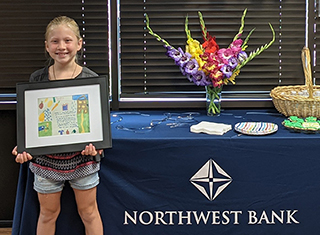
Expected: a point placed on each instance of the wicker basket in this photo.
(301, 100)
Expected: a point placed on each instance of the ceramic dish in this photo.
(256, 128)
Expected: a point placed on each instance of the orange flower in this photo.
(210, 45)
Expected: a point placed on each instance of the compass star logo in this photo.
(211, 180)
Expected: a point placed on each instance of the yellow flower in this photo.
(211, 67)
(200, 62)
(233, 77)
(194, 47)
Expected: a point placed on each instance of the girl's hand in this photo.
(90, 150)
(21, 157)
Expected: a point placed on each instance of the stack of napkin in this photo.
(210, 128)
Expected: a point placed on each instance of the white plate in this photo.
(256, 128)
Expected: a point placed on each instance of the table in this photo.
(155, 181)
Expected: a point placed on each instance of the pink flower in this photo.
(236, 43)
(211, 66)
(236, 46)
(225, 54)
(209, 57)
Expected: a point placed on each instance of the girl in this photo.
(62, 42)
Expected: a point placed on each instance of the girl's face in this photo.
(62, 44)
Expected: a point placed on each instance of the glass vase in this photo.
(213, 97)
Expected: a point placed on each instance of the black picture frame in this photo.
(30, 124)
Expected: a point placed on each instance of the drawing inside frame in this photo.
(63, 116)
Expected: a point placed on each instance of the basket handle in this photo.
(306, 62)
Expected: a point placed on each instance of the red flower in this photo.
(210, 45)
(216, 78)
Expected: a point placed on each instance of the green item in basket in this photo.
(299, 124)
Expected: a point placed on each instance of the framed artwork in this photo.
(63, 116)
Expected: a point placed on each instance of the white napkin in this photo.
(211, 128)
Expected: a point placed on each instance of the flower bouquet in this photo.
(208, 65)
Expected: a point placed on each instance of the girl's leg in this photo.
(88, 210)
(49, 211)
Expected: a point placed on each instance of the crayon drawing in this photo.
(63, 115)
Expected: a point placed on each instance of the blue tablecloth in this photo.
(159, 181)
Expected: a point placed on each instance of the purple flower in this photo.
(182, 70)
(185, 57)
(173, 53)
(227, 70)
(191, 67)
(200, 78)
(207, 81)
(233, 62)
(189, 76)
(242, 56)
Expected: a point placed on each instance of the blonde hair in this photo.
(69, 22)
(63, 20)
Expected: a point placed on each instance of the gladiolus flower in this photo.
(200, 79)
(211, 66)
(185, 57)
(242, 56)
(236, 46)
(209, 57)
(216, 78)
(173, 53)
(189, 76)
(206, 64)
(227, 70)
(233, 62)
(191, 67)
(210, 45)
(225, 54)
(182, 70)
(193, 47)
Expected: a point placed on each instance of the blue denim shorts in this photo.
(43, 185)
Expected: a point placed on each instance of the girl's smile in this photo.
(63, 45)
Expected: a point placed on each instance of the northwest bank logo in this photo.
(211, 180)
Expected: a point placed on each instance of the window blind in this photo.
(147, 73)
(22, 29)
